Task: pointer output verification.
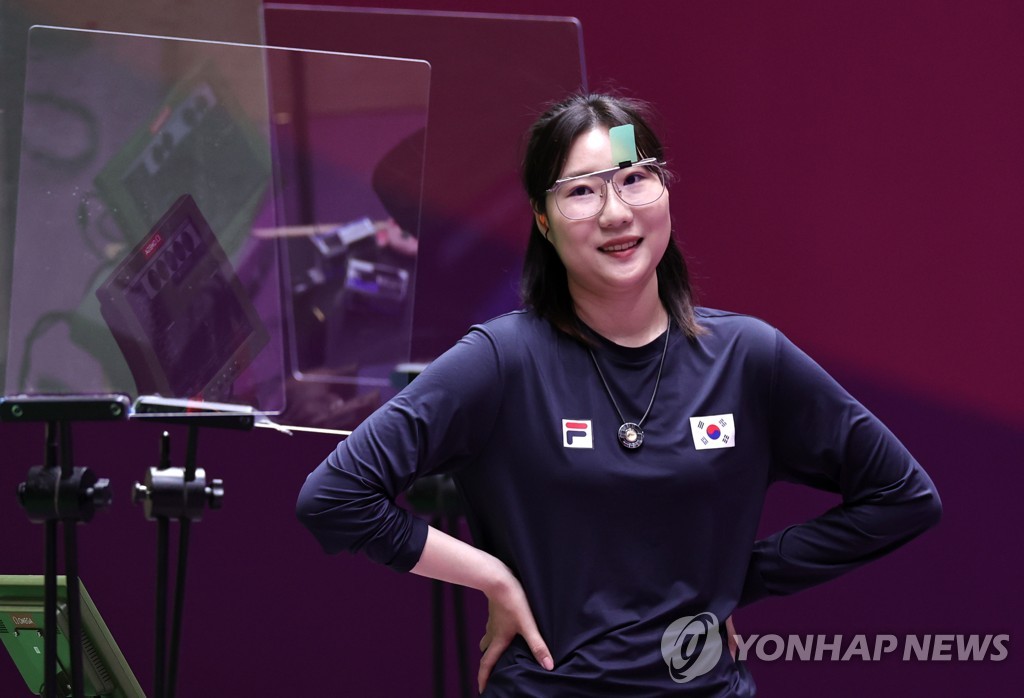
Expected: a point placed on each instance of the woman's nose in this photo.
(615, 211)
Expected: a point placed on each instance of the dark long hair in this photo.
(545, 286)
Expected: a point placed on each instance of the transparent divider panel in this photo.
(224, 20)
(491, 76)
(349, 147)
(155, 268)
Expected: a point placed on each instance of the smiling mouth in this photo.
(621, 248)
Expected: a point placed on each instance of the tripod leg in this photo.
(50, 615)
(50, 581)
(437, 612)
(179, 605)
(159, 680)
(459, 610)
(74, 607)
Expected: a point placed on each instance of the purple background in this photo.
(849, 171)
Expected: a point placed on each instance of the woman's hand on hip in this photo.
(509, 615)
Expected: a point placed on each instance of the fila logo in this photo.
(577, 433)
(713, 431)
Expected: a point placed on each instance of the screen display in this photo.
(179, 313)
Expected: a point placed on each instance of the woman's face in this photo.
(618, 250)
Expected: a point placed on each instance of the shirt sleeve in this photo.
(824, 438)
(434, 425)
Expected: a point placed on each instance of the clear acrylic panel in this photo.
(225, 20)
(491, 76)
(349, 148)
(154, 266)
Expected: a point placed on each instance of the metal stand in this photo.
(436, 495)
(182, 494)
(58, 492)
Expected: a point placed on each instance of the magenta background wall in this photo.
(851, 172)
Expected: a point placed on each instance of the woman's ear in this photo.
(542, 223)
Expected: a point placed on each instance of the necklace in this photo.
(631, 435)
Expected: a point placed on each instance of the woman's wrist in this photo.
(499, 580)
(449, 559)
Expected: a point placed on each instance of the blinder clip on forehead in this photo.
(623, 145)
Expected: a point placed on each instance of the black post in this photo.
(162, 553)
(74, 607)
(50, 613)
(459, 611)
(179, 604)
(437, 613)
(59, 493)
(67, 480)
(182, 494)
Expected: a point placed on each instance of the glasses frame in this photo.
(606, 175)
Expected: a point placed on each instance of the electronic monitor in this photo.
(180, 315)
(22, 614)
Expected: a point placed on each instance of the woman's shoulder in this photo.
(496, 344)
(525, 326)
(518, 338)
(515, 325)
(725, 326)
(729, 319)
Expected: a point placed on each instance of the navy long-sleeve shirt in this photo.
(613, 545)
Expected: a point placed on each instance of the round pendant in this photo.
(631, 435)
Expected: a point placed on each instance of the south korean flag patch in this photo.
(713, 431)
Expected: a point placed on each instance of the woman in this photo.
(613, 444)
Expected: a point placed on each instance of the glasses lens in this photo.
(580, 198)
(584, 197)
(638, 186)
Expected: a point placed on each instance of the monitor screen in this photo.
(22, 631)
(178, 311)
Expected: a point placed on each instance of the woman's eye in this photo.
(635, 177)
(580, 190)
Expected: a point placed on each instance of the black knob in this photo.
(100, 493)
(215, 493)
(140, 493)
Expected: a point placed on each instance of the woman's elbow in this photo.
(306, 506)
(930, 510)
(922, 510)
(317, 511)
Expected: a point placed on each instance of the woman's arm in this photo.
(437, 424)
(824, 438)
(451, 560)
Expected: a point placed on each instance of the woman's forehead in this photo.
(590, 152)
